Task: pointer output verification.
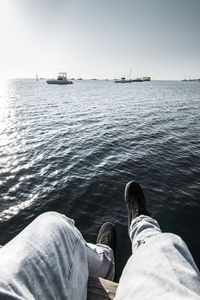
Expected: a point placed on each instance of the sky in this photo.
(100, 38)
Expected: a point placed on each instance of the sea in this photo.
(72, 149)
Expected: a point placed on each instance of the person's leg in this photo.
(161, 266)
(105, 247)
(50, 259)
(142, 228)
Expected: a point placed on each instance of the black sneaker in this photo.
(135, 201)
(107, 236)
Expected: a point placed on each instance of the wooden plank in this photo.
(101, 289)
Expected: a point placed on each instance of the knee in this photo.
(54, 221)
(174, 241)
(50, 230)
(50, 216)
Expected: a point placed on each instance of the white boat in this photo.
(61, 79)
(123, 80)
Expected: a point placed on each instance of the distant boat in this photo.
(61, 79)
(146, 78)
(123, 80)
(198, 80)
(137, 80)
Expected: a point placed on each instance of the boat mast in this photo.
(130, 74)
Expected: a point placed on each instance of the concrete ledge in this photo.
(101, 289)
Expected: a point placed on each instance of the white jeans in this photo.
(50, 259)
(160, 267)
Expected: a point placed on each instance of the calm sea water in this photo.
(72, 149)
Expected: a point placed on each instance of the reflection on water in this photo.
(73, 148)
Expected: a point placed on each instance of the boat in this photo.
(123, 80)
(61, 79)
(146, 78)
(137, 80)
(198, 80)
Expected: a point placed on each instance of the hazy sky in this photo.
(100, 38)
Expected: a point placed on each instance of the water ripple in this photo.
(72, 149)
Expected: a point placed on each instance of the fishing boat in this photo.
(61, 79)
